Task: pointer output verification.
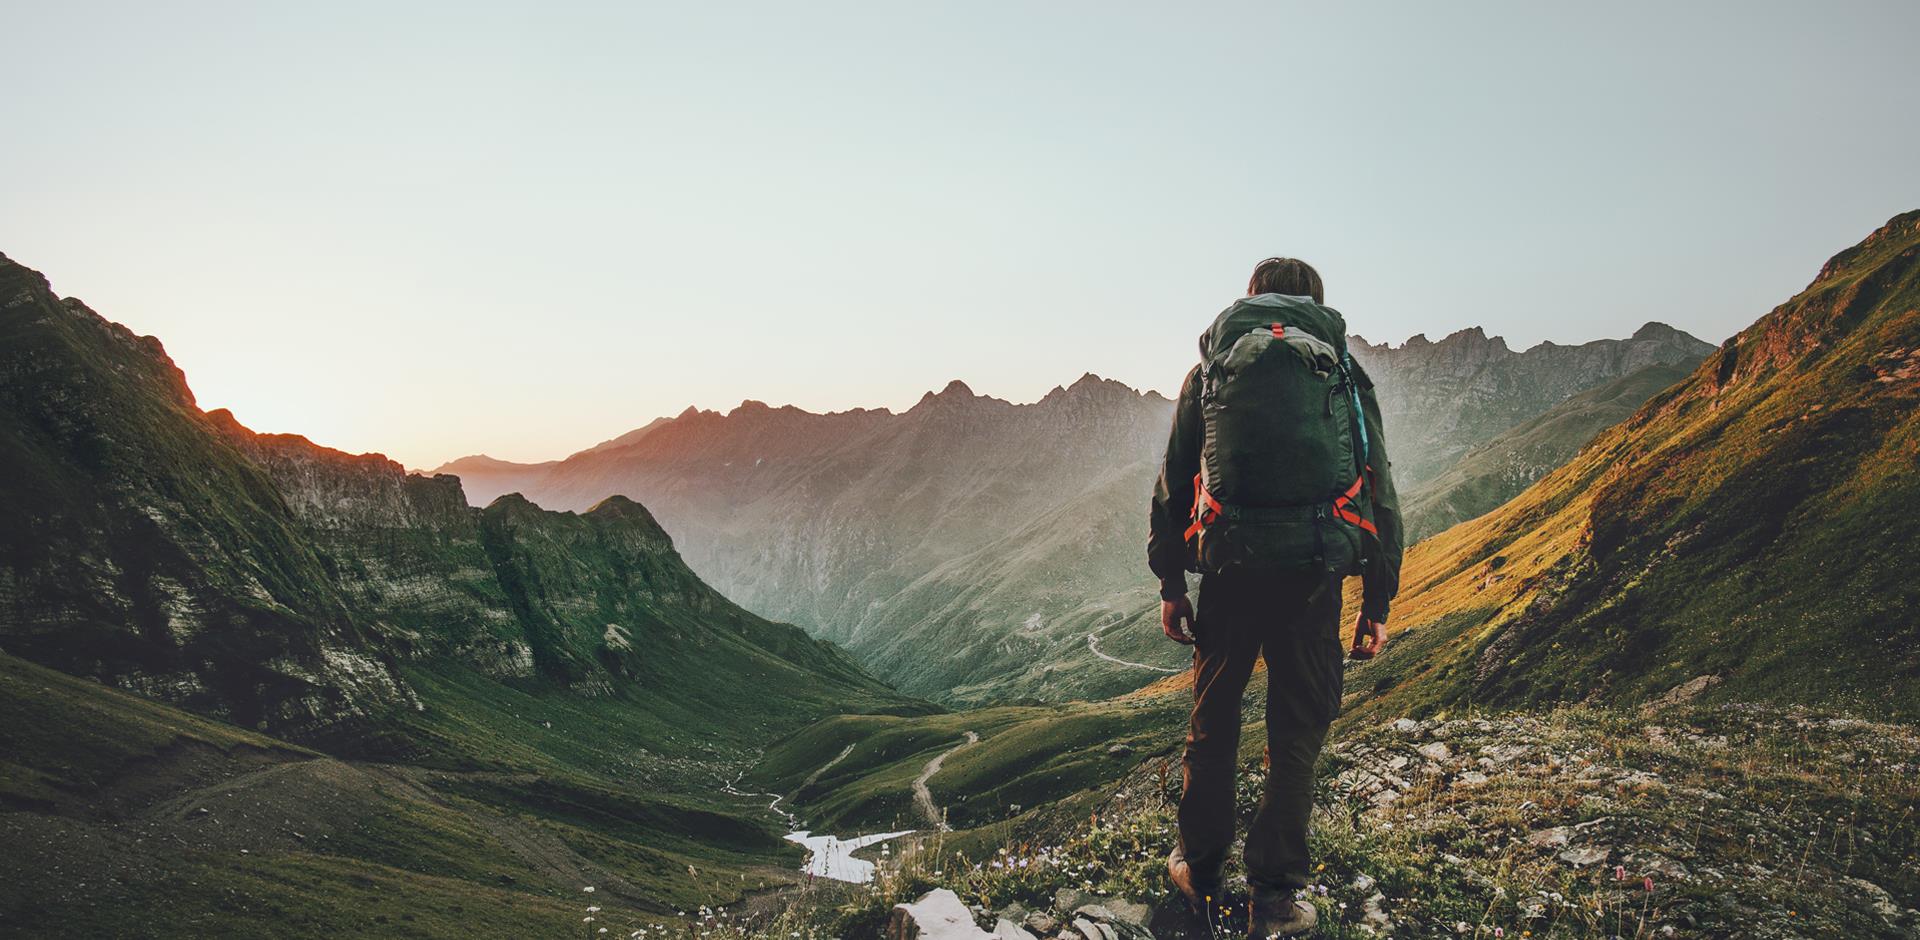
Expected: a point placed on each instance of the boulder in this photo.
(1116, 911)
(1094, 930)
(1004, 929)
(1581, 856)
(1041, 922)
(1373, 912)
(1113, 919)
(937, 915)
(1551, 838)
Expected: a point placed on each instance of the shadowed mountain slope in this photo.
(501, 702)
(1498, 470)
(267, 580)
(1441, 400)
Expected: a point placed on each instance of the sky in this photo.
(431, 230)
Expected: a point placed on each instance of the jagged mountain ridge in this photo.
(278, 584)
(1750, 527)
(1498, 470)
(967, 547)
(1440, 400)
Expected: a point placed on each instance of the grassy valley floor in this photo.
(127, 817)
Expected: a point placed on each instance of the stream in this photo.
(827, 856)
(832, 856)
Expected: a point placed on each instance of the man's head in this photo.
(1287, 276)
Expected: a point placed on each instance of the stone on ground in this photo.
(938, 915)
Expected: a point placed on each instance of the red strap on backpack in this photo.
(1205, 508)
(1342, 505)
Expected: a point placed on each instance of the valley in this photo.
(964, 549)
(258, 686)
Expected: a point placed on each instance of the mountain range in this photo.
(470, 705)
(971, 549)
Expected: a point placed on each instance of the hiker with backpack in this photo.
(1276, 486)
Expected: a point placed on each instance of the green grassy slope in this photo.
(127, 524)
(1010, 620)
(857, 772)
(121, 811)
(1753, 522)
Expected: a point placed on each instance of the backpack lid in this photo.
(1248, 313)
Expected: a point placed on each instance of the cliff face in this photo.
(138, 547)
(1440, 400)
(280, 584)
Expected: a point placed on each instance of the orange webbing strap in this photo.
(1202, 498)
(1279, 331)
(1343, 502)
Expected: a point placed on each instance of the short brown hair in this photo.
(1287, 276)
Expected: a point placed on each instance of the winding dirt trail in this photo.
(823, 768)
(923, 797)
(1126, 662)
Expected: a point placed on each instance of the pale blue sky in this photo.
(431, 230)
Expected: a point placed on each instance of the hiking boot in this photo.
(1197, 889)
(1275, 913)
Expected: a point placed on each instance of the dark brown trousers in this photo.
(1296, 622)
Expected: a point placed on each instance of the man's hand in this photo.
(1176, 618)
(1368, 638)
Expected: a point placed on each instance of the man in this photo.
(1276, 485)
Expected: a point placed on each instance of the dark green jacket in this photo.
(1173, 505)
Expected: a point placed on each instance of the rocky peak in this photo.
(1900, 229)
(1092, 388)
(956, 392)
(1440, 399)
(1655, 331)
(617, 508)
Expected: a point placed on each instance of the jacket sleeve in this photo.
(1381, 580)
(1173, 493)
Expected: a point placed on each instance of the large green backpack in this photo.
(1283, 464)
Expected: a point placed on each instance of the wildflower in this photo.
(1499, 932)
(593, 908)
(588, 889)
(1619, 872)
(587, 919)
(1647, 883)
